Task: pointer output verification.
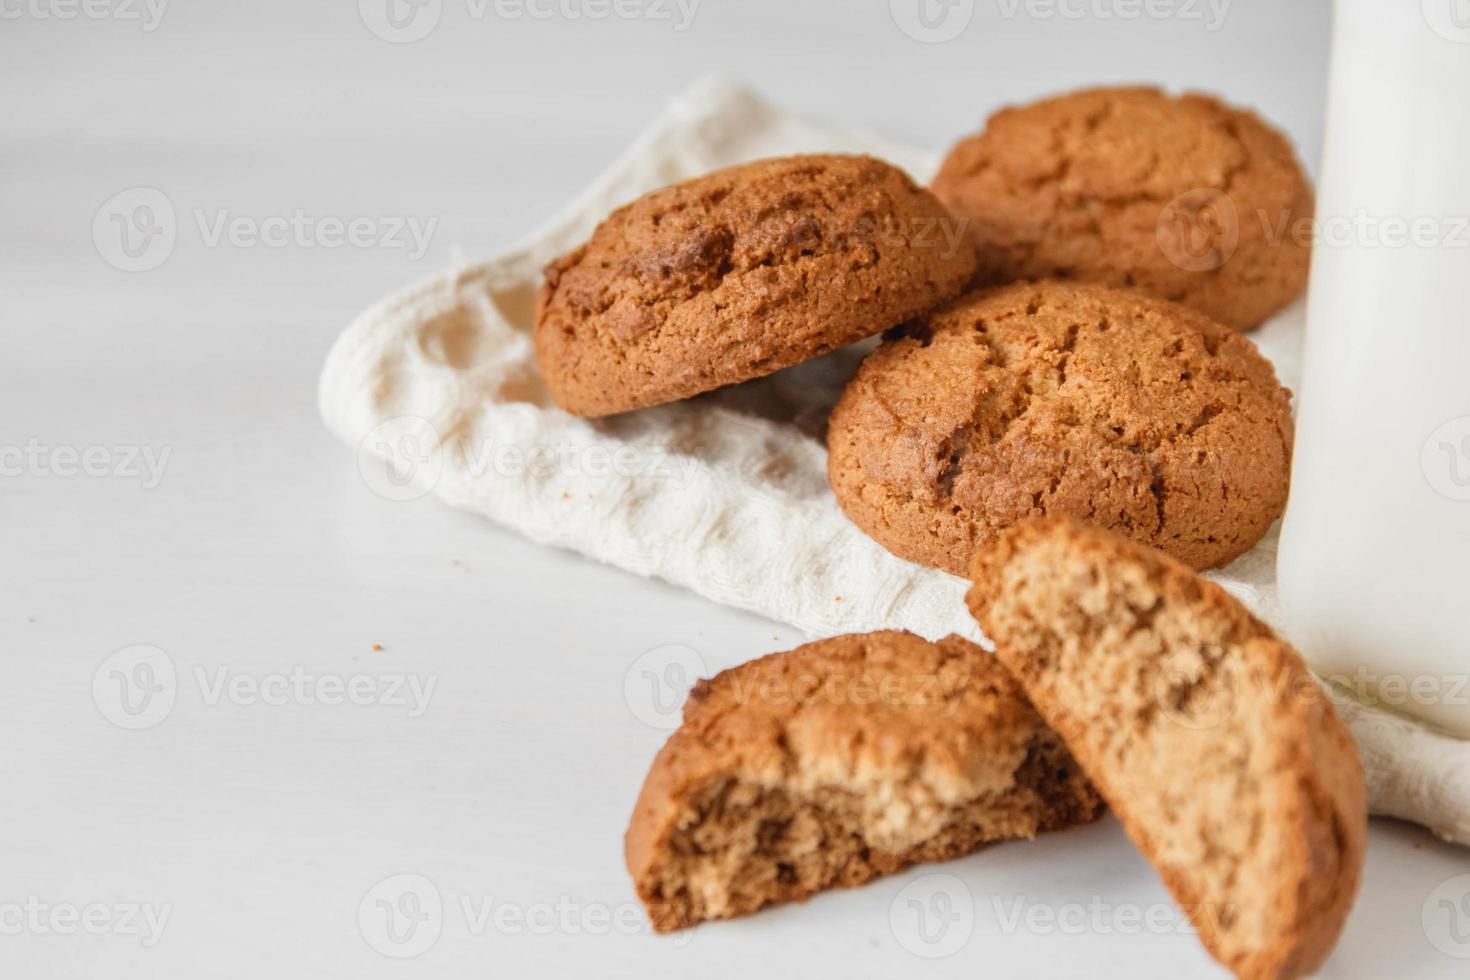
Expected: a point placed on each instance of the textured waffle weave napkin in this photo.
(726, 494)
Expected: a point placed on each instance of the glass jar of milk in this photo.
(1374, 566)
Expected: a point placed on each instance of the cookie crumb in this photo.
(377, 648)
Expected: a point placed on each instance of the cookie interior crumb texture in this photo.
(1073, 399)
(1219, 752)
(1185, 197)
(739, 273)
(836, 762)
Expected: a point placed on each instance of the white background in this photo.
(261, 552)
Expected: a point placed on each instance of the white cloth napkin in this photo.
(437, 388)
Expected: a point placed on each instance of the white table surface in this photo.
(261, 830)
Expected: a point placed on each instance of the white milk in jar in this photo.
(1375, 554)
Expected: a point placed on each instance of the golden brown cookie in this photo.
(1221, 755)
(1108, 405)
(1188, 198)
(834, 763)
(740, 273)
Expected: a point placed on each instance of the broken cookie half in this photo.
(839, 761)
(1206, 734)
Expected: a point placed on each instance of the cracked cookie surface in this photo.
(1187, 198)
(739, 273)
(839, 761)
(1106, 405)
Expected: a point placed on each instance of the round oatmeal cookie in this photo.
(837, 762)
(739, 273)
(1188, 198)
(1073, 399)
